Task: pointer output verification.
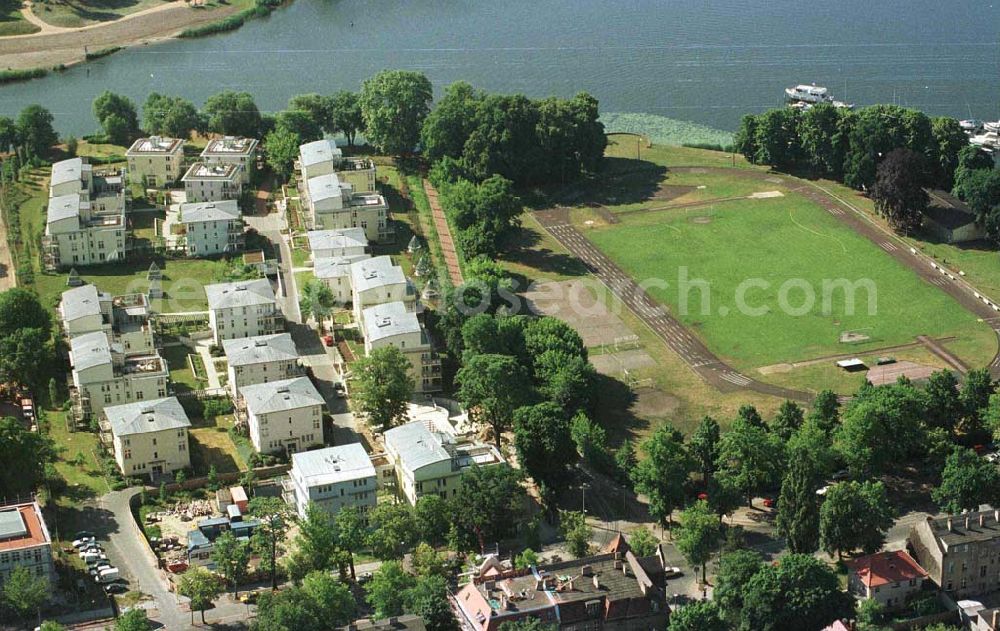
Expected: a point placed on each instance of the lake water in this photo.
(696, 60)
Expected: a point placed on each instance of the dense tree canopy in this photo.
(966, 482)
(117, 116)
(394, 104)
(661, 475)
(170, 116)
(34, 130)
(383, 386)
(898, 192)
(798, 592)
(233, 114)
(854, 516)
(492, 502)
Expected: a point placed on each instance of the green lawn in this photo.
(77, 463)
(72, 14)
(12, 22)
(211, 445)
(778, 241)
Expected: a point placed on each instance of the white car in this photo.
(993, 457)
(83, 541)
(672, 572)
(822, 491)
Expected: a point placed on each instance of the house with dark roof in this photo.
(950, 219)
(959, 552)
(886, 577)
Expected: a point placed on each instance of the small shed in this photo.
(950, 219)
(223, 498)
(234, 513)
(851, 365)
(239, 498)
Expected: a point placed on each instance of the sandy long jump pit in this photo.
(576, 303)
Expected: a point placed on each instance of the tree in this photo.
(966, 482)
(351, 532)
(233, 114)
(698, 535)
(824, 141)
(698, 616)
(20, 309)
(318, 107)
(948, 141)
(798, 592)
(749, 413)
(751, 457)
(24, 592)
(489, 503)
(574, 528)
(116, 114)
(974, 397)
(49, 625)
(35, 131)
(202, 587)
(267, 539)
(428, 598)
(301, 123)
(626, 461)
(874, 413)
(504, 140)
(317, 300)
(526, 559)
(133, 620)
(322, 602)
(704, 446)
(432, 515)
(642, 542)
(25, 455)
(590, 440)
(316, 540)
(334, 604)
(345, 114)
(543, 442)
(450, 123)
(394, 104)
(484, 215)
(170, 116)
(788, 420)
(20, 355)
(282, 148)
(528, 624)
(899, 193)
(386, 591)
(427, 562)
(777, 141)
(798, 506)
(491, 387)
(944, 402)
(811, 443)
(392, 530)
(383, 387)
(8, 134)
(854, 515)
(662, 474)
(735, 571)
(826, 411)
(231, 558)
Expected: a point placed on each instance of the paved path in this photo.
(444, 236)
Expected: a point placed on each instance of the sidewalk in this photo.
(444, 236)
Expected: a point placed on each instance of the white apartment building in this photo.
(336, 273)
(376, 281)
(242, 309)
(332, 478)
(392, 324)
(429, 462)
(212, 182)
(260, 359)
(155, 161)
(25, 542)
(326, 244)
(124, 319)
(283, 416)
(149, 437)
(333, 205)
(323, 157)
(235, 150)
(211, 228)
(103, 375)
(85, 223)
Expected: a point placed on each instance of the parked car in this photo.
(364, 577)
(100, 565)
(992, 457)
(770, 502)
(92, 558)
(108, 575)
(672, 572)
(115, 588)
(83, 541)
(84, 534)
(338, 389)
(328, 340)
(822, 491)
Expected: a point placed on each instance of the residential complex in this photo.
(242, 309)
(149, 437)
(155, 161)
(325, 244)
(332, 478)
(336, 274)
(430, 462)
(340, 194)
(323, 157)
(85, 222)
(886, 577)
(393, 324)
(25, 541)
(260, 359)
(206, 229)
(124, 319)
(205, 182)
(376, 281)
(959, 552)
(104, 376)
(235, 150)
(282, 416)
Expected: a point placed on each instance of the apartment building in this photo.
(393, 324)
(242, 309)
(960, 552)
(85, 221)
(376, 281)
(326, 244)
(150, 438)
(236, 150)
(260, 359)
(336, 274)
(323, 157)
(104, 375)
(209, 228)
(212, 182)
(431, 462)
(25, 542)
(331, 478)
(155, 162)
(124, 319)
(282, 416)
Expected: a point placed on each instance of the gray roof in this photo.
(416, 445)
(277, 396)
(66, 171)
(260, 349)
(375, 272)
(80, 302)
(319, 151)
(89, 350)
(210, 211)
(958, 533)
(388, 320)
(336, 266)
(333, 464)
(244, 293)
(63, 207)
(337, 239)
(142, 417)
(324, 187)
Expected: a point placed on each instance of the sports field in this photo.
(765, 245)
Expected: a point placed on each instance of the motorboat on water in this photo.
(993, 127)
(988, 141)
(805, 96)
(970, 125)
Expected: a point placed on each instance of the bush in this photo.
(11, 76)
(104, 52)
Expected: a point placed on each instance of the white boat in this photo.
(971, 125)
(809, 94)
(993, 127)
(989, 141)
(842, 105)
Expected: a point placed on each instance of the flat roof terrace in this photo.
(156, 145)
(144, 364)
(229, 146)
(203, 171)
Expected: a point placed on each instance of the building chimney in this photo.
(587, 570)
(503, 602)
(996, 618)
(597, 582)
(949, 524)
(982, 519)
(539, 584)
(966, 522)
(618, 565)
